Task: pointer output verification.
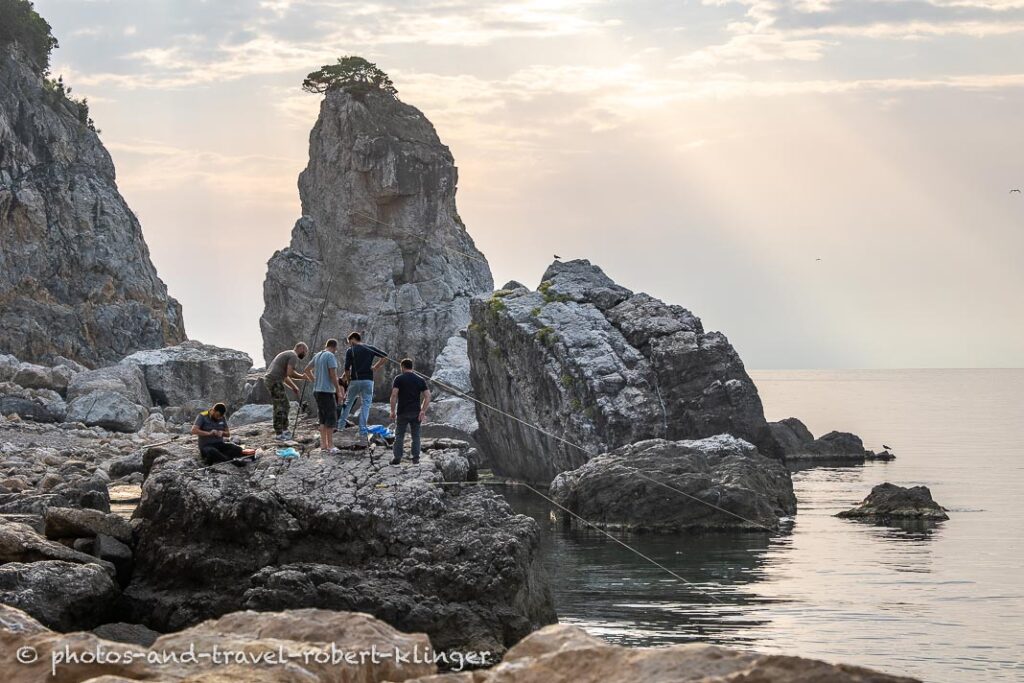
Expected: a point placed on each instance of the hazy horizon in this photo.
(708, 153)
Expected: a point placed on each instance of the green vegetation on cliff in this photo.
(21, 24)
(353, 74)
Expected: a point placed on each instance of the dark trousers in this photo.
(220, 452)
(413, 423)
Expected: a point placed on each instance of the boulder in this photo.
(253, 413)
(600, 367)
(21, 543)
(567, 653)
(81, 523)
(301, 646)
(108, 410)
(193, 375)
(39, 405)
(722, 483)
(120, 632)
(32, 376)
(452, 561)
(126, 380)
(379, 237)
(799, 444)
(890, 503)
(62, 595)
(75, 275)
(111, 550)
(8, 367)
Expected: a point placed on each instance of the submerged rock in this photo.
(568, 653)
(379, 217)
(193, 375)
(452, 560)
(76, 279)
(888, 502)
(720, 471)
(601, 367)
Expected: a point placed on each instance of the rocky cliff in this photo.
(379, 217)
(75, 274)
(592, 362)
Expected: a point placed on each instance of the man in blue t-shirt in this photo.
(359, 368)
(328, 392)
(410, 397)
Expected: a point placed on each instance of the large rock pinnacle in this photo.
(379, 237)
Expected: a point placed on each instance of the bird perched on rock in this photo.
(888, 448)
(557, 257)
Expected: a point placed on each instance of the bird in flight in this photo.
(817, 259)
(1012, 191)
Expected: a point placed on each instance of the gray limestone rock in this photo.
(108, 410)
(76, 279)
(799, 444)
(193, 375)
(600, 367)
(381, 231)
(126, 380)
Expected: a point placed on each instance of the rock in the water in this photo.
(452, 561)
(379, 217)
(75, 275)
(39, 405)
(888, 502)
(720, 471)
(82, 523)
(601, 367)
(799, 444)
(108, 410)
(62, 595)
(126, 380)
(193, 375)
(567, 653)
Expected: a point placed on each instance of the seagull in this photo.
(557, 257)
(888, 448)
(817, 259)
(1012, 191)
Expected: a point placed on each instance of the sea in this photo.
(942, 603)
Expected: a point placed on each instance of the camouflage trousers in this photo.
(280, 401)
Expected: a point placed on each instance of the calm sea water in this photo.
(943, 604)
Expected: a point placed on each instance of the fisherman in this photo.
(282, 373)
(212, 429)
(359, 369)
(410, 397)
(328, 392)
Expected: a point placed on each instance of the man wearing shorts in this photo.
(328, 392)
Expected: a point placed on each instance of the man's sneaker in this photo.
(284, 436)
(415, 461)
(330, 451)
(396, 461)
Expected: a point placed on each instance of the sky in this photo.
(826, 182)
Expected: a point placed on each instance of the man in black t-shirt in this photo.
(361, 360)
(410, 397)
(211, 426)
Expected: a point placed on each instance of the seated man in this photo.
(211, 426)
